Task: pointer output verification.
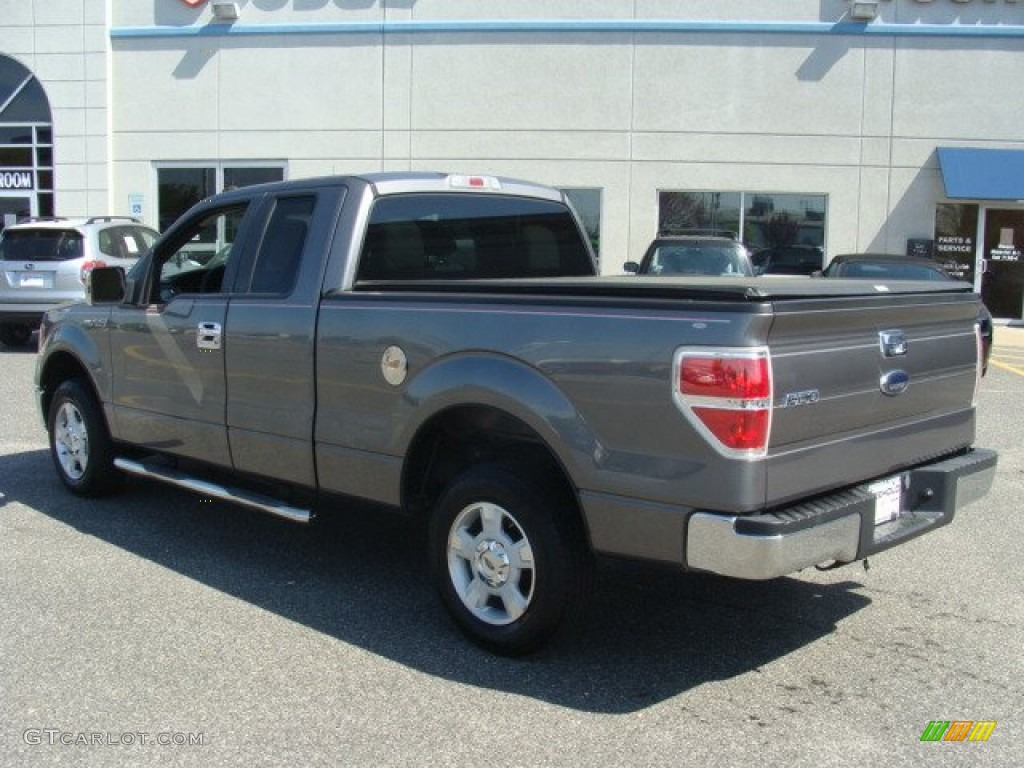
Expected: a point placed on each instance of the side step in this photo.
(207, 488)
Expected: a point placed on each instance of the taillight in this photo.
(727, 395)
(88, 267)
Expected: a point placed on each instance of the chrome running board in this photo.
(207, 488)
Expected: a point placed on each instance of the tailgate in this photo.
(867, 385)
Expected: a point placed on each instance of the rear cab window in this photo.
(467, 236)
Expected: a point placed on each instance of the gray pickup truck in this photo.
(441, 344)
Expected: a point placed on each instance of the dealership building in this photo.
(831, 126)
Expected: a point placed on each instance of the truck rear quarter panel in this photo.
(594, 382)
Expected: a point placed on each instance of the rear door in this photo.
(270, 336)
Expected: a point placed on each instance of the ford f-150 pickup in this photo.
(441, 344)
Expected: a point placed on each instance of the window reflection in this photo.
(758, 219)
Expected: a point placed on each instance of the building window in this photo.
(956, 226)
(181, 187)
(759, 219)
(26, 145)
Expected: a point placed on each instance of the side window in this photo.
(135, 241)
(125, 242)
(196, 260)
(280, 253)
(106, 243)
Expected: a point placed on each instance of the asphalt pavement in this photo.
(155, 628)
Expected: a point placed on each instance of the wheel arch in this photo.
(460, 436)
(55, 369)
(69, 351)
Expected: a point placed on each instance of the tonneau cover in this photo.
(759, 289)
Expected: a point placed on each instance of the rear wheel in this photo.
(80, 444)
(15, 334)
(509, 558)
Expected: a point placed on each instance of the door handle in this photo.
(208, 336)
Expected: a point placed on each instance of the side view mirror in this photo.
(631, 267)
(105, 285)
(818, 273)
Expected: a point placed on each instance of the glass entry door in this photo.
(14, 206)
(1002, 284)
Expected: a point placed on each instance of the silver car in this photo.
(47, 262)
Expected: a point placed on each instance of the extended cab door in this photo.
(167, 341)
(270, 335)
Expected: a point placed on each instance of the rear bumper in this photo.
(839, 527)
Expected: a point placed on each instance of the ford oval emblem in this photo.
(894, 383)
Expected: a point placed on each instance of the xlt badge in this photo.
(793, 399)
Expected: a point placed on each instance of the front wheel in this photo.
(80, 444)
(509, 558)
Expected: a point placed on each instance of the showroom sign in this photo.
(16, 180)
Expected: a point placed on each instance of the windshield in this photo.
(699, 259)
(40, 245)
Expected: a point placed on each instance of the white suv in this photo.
(44, 262)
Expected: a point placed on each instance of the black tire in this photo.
(15, 334)
(80, 443)
(509, 604)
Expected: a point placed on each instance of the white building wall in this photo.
(65, 44)
(854, 117)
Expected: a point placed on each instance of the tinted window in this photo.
(453, 236)
(40, 245)
(791, 260)
(178, 189)
(280, 254)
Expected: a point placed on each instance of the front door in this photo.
(1002, 284)
(168, 380)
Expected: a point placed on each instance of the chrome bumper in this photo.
(840, 527)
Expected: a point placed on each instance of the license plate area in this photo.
(35, 280)
(888, 495)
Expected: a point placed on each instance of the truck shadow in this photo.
(359, 576)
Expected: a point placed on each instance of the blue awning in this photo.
(982, 174)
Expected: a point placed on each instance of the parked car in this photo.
(693, 255)
(47, 262)
(888, 266)
(885, 266)
(788, 260)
